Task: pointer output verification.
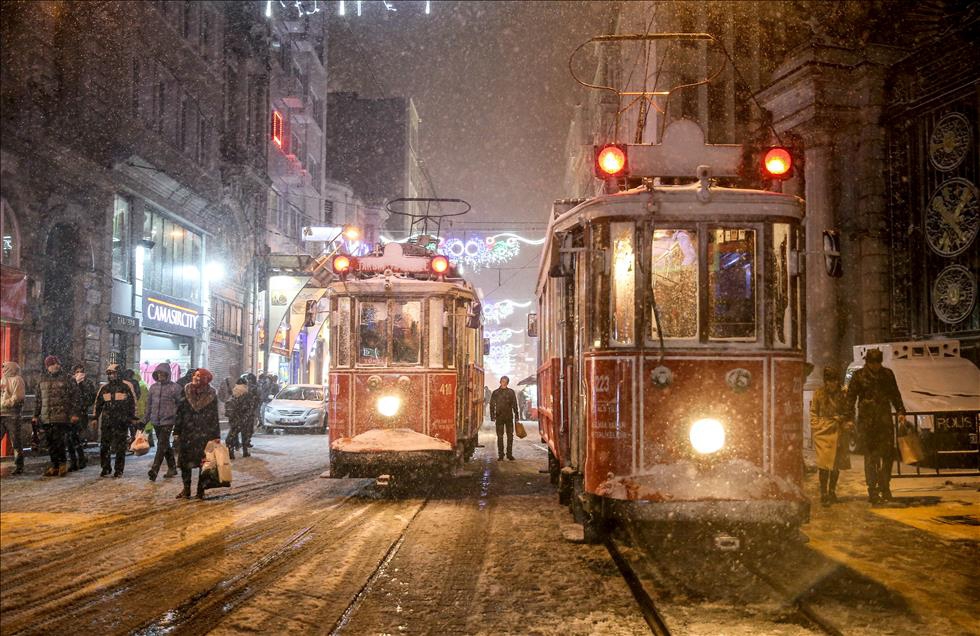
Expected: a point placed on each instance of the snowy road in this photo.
(286, 551)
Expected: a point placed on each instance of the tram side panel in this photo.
(339, 407)
(442, 407)
(611, 418)
(788, 374)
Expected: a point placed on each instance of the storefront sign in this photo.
(171, 314)
(124, 324)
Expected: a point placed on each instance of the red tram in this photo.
(406, 354)
(671, 346)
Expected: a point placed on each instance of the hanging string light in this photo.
(501, 335)
(479, 252)
(495, 312)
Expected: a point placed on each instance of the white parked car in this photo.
(297, 407)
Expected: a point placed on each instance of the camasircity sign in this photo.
(172, 315)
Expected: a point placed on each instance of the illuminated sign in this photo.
(277, 128)
(171, 315)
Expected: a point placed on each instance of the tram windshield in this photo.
(406, 341)
(731, 280)
(372, 332)
(674, 281)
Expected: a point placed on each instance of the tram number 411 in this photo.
(446, 389)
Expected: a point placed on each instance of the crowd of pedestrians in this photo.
(182, 415)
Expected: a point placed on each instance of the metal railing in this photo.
(949, 434)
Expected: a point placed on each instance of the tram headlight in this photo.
(707, 436)
(389, 405)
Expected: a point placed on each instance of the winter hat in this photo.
(831, 374)
(206, 375)
(873, 355)
(11, 368)
(51, 360)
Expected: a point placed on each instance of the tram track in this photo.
(40, 610)
(102, 537)
(658, 617)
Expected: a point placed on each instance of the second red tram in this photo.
(671, 355)
(406, 364)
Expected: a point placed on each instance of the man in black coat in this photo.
(76, 435)
(56, 409)
(115, 404)
(875, 391)
(504, 411)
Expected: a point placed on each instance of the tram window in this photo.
(406, 337)
(449, 334)
(436, 319)
(731, 284)
(778, 289)
(622, 295)
(599, 285)
(372, 342)
(674, 280)
(341, 333)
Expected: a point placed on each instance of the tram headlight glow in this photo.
(707, 436)
(389, 405)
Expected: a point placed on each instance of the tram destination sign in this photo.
(171, 315)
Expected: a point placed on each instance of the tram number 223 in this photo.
(602, 383)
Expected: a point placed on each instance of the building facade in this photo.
(125, 198)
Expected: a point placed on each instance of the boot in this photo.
(62, 470)
(245, 452)
(171, 473)
(151, 474)
(105, 472)
(231, 452)
(18, 464)
(52, 471)
(82, 462)
(72, 467)
(185, 493)
(200, 492)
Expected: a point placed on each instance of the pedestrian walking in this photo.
(56, 408)
(237, 410)
(504, 412)
(875, 392)
(522, 403)
(12, 390)
(163, 400)
(75, 442)
(197, 424)
(830, 426)
(254, 405)
(115, 411)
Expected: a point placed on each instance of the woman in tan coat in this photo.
(830, 425)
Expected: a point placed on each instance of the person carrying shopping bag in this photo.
(196, 425)
(161, 411)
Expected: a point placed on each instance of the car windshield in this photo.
(308, 393)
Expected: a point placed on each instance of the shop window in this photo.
(372, 336)
(674, 283)
(406, 333)
(120, 239)
(9, 236)
(622, 297)
(227, 318)
(731, 284)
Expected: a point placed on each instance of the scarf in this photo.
(199, 398)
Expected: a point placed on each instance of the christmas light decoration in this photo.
(302, 7)
(501, 335)
(477, 252)
(495, 312)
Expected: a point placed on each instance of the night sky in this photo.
(491, 84)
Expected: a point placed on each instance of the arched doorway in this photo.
(58, 311)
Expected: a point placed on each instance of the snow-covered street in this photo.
(285, 550)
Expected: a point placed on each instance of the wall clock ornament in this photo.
(954, 293)
(952, 217)
(949, 142)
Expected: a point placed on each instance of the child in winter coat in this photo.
(238, 409)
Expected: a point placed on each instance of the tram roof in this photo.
(677, 204)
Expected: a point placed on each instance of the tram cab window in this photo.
(731, 261)
(623, 284)
(406, 338)
(372, 344)
(436, 318)
(780, 290)
(674, 281)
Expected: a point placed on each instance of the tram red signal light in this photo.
(777, 163)
(611, 161)
(439, 264)
(341, 264)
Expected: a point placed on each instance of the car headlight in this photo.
(312, 416)
(388, 405)
(707, 436)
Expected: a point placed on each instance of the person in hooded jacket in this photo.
(56, 408)
(86, 398)
(12, 390)
(115, 406)
(163, 399)
(197, 424)
(237, 409)
(254, 405)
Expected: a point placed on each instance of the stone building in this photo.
(126, 188)
(878, 101)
